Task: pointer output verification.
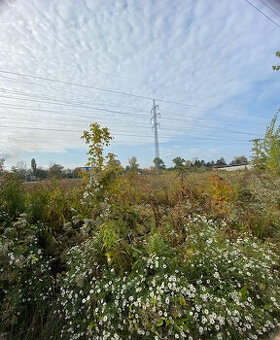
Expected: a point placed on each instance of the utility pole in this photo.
(155, 125)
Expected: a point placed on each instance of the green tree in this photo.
(239, 160)
(258, 155)
(197, 163)
(105, 168)
(271, 145)
(179, 162)
(221, 161)
(97, 138)
(21, 171)
(103, 177)
(33, 166)
(159, 164)
(266, 151)
(133, 164)
(56, 170)
(42, 173)
(113, 167)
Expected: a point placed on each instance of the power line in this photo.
(117, 92)
(179, 133)
(119, 134)
(82, 105)
(271, 8)
(79, 105)
(71, 105)
(124, 93)
(191, 129)
(134, 108)
(75, 84)
(262, 13)
(59, 130)
(76, 93)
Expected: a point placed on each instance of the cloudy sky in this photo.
(67, 63)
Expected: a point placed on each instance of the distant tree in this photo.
(33, 166)
(113, 162)
(159, 164)
(42, 173)
(179, 162)
(21, 171)
(276, 67)
(258, 155)
(56, 170)
(197, 163)
(77, 172)
(68, 173)
(221, 161)
(133, 165)
(239, 160)
(113, 167)
(188, 164)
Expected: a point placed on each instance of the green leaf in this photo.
(159, 323)
(243, 292)
(182, 301)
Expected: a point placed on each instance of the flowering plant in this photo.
(209, 288)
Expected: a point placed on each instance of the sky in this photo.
(67, 63)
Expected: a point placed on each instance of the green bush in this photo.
(12, 198)
(26, 281)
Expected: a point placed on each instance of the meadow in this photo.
(191, 255)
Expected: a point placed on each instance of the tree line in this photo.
(22, 171)
(34, 172)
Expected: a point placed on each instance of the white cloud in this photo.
(206, 53)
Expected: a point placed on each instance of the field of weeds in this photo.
(162, 256)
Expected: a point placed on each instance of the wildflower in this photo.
(216, 275)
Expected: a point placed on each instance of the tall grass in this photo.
(148, 256)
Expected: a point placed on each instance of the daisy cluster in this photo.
(209, 288)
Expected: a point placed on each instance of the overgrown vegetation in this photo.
(131, 256)
(266, 151)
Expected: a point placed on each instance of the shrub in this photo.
(12, 198)
(26, 282)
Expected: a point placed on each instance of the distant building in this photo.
(234, 167)
(85, 168)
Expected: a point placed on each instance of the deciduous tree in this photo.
(179, 162)
(159, 164)
(133, 164)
